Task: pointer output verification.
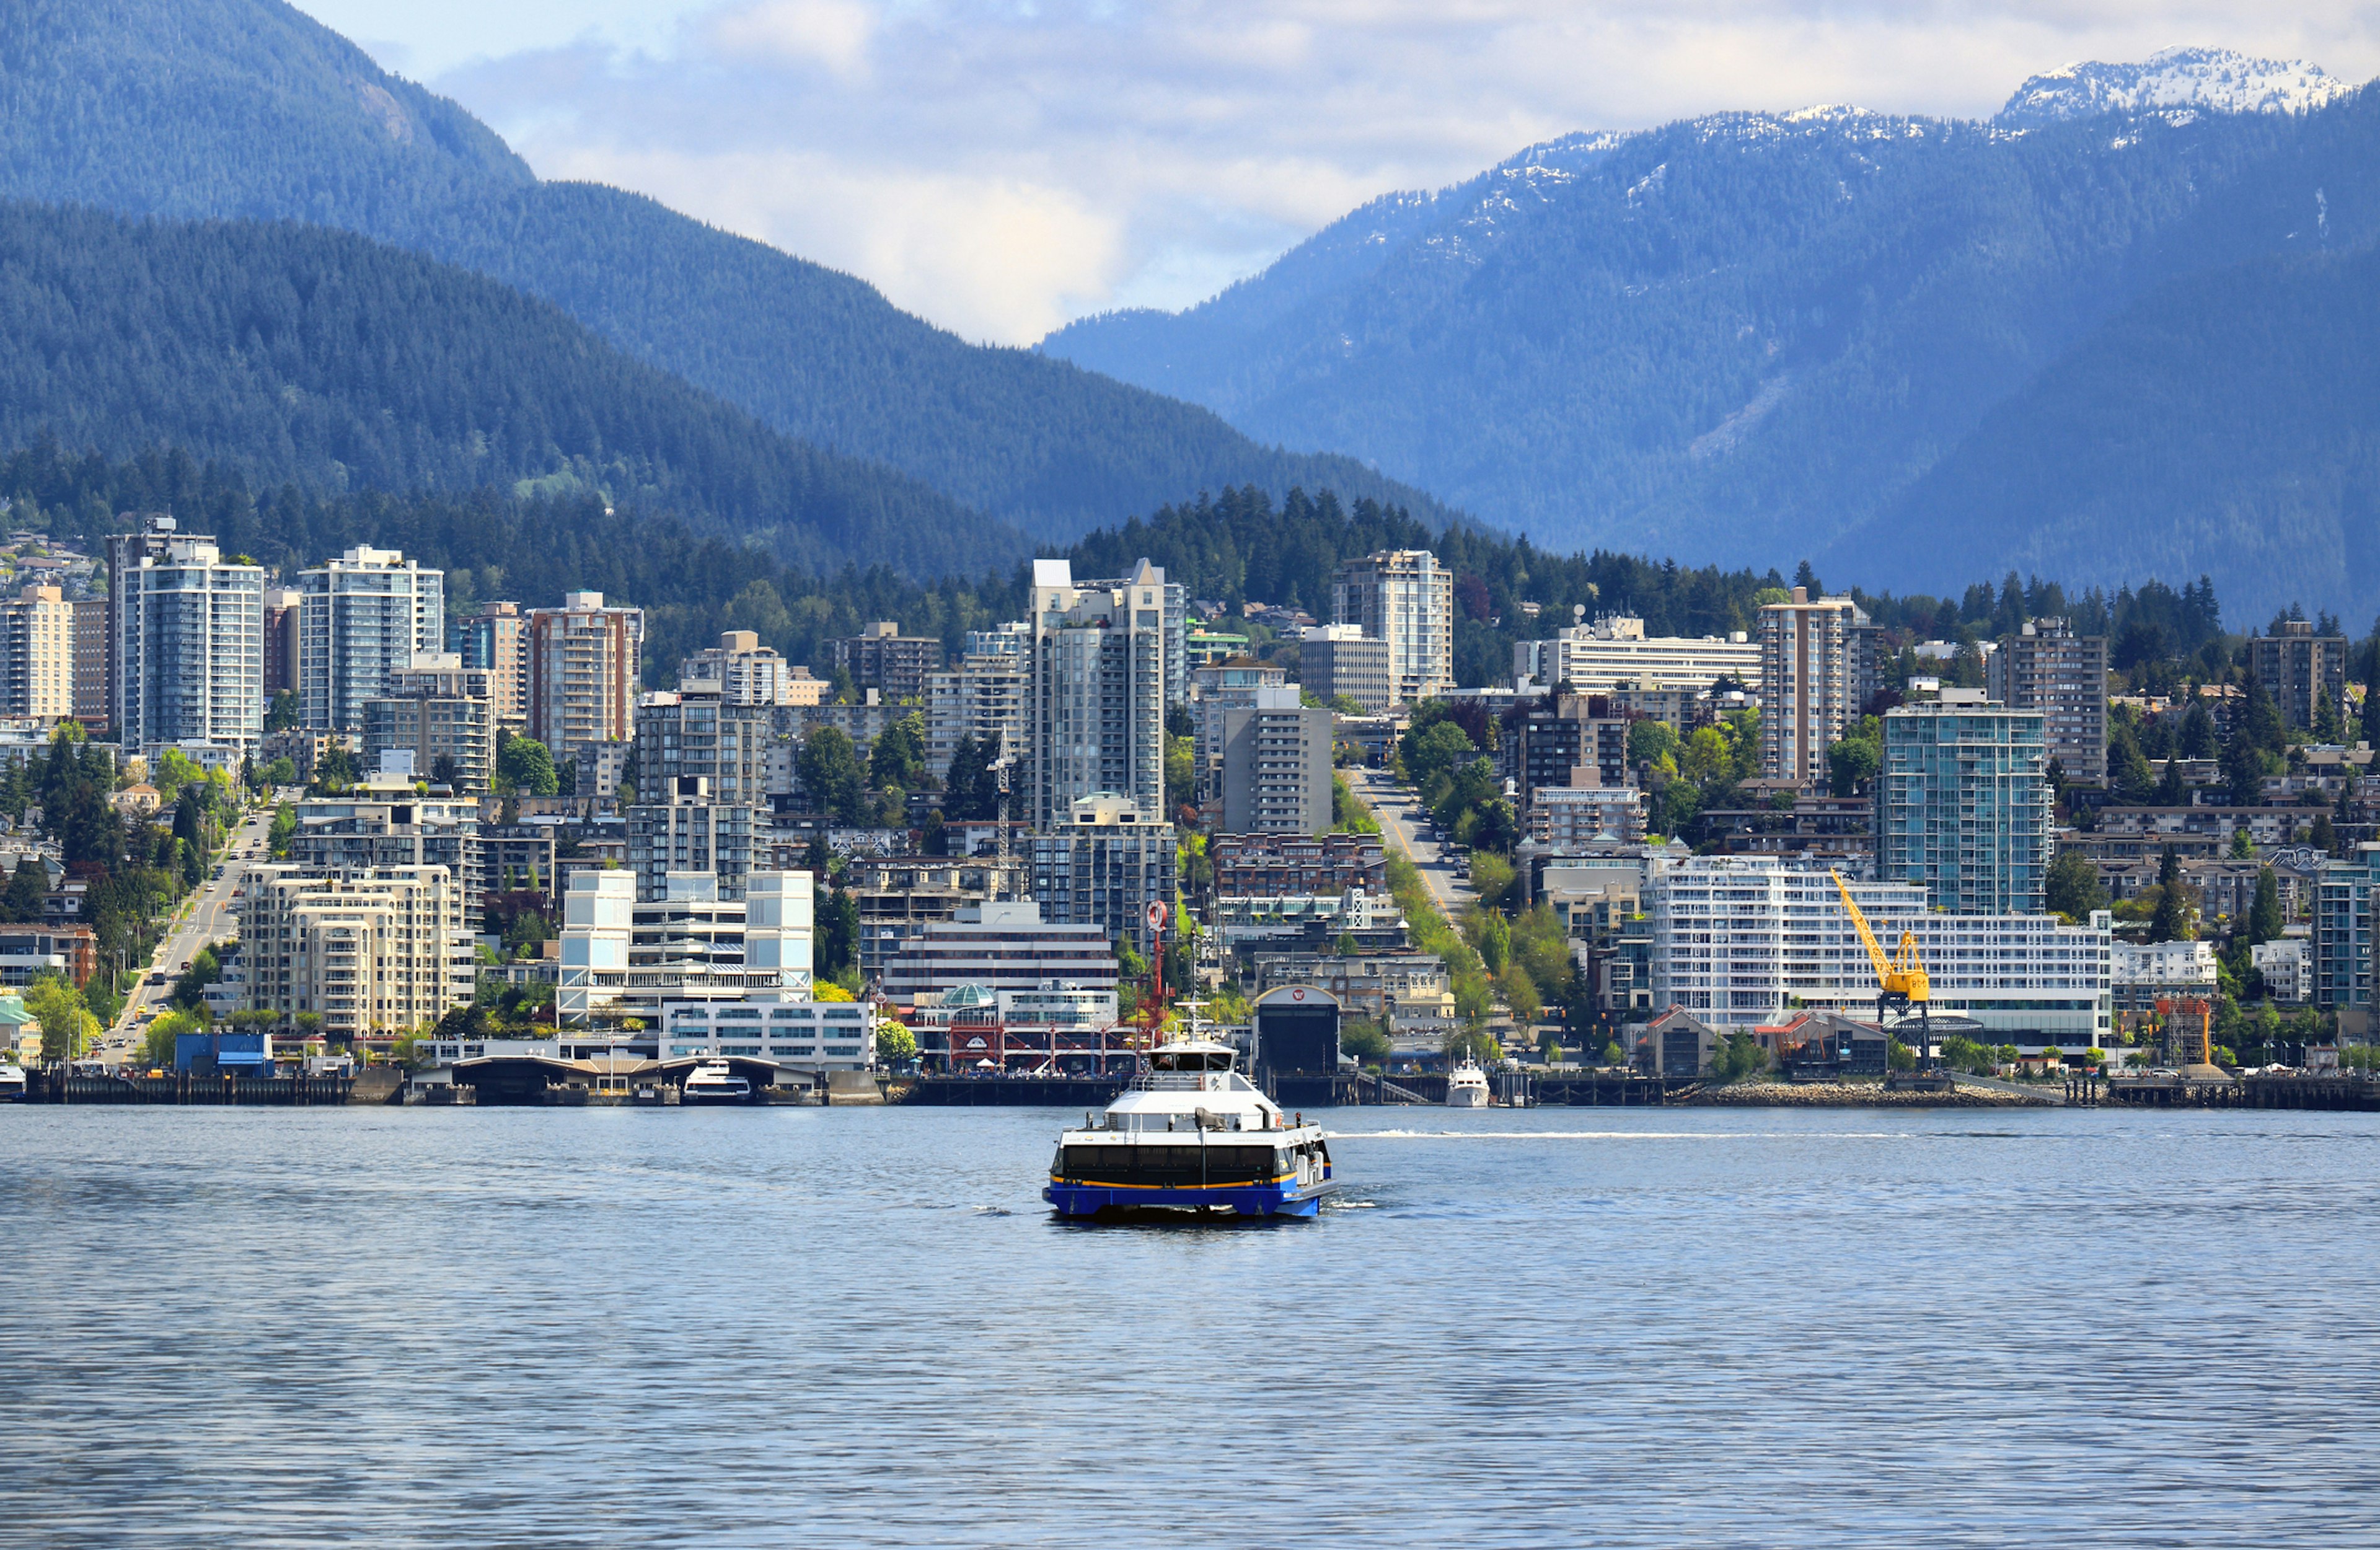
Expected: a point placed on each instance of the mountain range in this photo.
(1845, 336)
(191, 109)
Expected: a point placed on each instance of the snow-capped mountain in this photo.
(2175, 82)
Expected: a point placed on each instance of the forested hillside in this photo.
(1237, 547)
(1740, 337)
(2226, 423)
(245, 107)
(290, 353)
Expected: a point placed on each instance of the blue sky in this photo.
(1001, 166)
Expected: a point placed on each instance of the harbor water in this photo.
(438, 1326)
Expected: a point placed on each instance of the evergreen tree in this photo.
(26, 888)
(2198, 739)
(2171, 922)
(2170, 791)
(2265, 915)
(2073, 886)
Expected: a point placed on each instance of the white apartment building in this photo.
(436, 708)
(1097, 694)
(1596, 658)
(186, 642)
(744, 672)
(583, 662)
(1818, 669)
(363, 617)
(633, 957)
(1406, 598)
(1740, 941)
(382, 951)
(2287, 966)
(1567, 817)
(2146, 973)
(37, 654)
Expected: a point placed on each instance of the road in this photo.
(206, 916)
(1406, 826)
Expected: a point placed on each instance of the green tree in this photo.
(1365, 1040)
(894, 1043)
(282, 715)
(2073, 886)
(1650, 742)
(1852, 764)
(829, 769)
(898, 759)
(2265, 915)
(27, 885)
(839, 936)
(281, 771)
(2243, 846)
(2171, 922)
(67, 1026)
(528, 765)
(1436, 749)
(971, 791)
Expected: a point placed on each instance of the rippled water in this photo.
(1568, 1326)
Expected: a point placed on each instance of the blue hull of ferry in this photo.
(1246, 1200)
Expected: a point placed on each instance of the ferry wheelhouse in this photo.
(1191, 1134)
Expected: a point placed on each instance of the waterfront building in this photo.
(2046, 667)
(1097, 697)
(1600, 656)
(1962, 803)
(1105, 866)
(1312, 921)
(435, 710)
(1407, 990)
(746, 673)
(1336, 659)
(897, 897)
(1276, 766)
(1060, 1032)
(582, 673)
(186, 642)
(774, 1025)
(2301, 671)
(624, 956)
(2286, 966)
(90, 662)
(1737, 940)
(494, 638)
(2343, 937)
(1817, 670)
(881, 657)
(37, 654)
(376, 951)
(1674, 1044)
(364, 616)
(1002, 945)
(1405, 597)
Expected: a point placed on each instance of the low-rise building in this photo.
(1068, 1032)
(28, 953)
(783, 1027)
(1406, 989)
(2286, 966)
(1279, 865)
(2142, 974)
(630, 956)
(1569, 818)
(1003, 946)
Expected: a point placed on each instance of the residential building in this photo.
(1569, 818)
(1736, 940)
(1566, 741)
(1276, 767)
(494, 637)
(1962, 803)
(2046, 667)
(1097, 697)
(186, 642)
(1315, 921)
(747, 673)
(2143, 973)
(898, 897)
(1336, 659)
(439, 711)
(983, 696)
(284, 640)
(516, 858)
(1281, 866)
(1002, 945)
(699, 732)
(28, 951)
(1216, 687)
(376, 951)
(90, 662)
(1406, 598)
(2343, 936)
(365, 616)
(383, 825)
(684, 829)
(1817, 670)
(2286, 966)
(625, 957)
(37, 660)
(582, 673)
(881, 657)
(2302, 671)
(1838, 830)
(603, 767)
(1174, 604)
(1109, 862)
(1596, 658)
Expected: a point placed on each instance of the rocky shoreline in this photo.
(1856, 1095)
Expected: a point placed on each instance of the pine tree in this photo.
(2171, 922)
(2265, 915)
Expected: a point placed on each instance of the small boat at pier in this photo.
(1466, 1086)
(714, 1081)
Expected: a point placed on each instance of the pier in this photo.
(271, 1092)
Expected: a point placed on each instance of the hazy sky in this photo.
(1001, 166)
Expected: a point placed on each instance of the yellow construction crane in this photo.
(1901, 979)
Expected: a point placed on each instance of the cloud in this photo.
(1000, 165)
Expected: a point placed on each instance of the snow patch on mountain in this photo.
(2177, 84)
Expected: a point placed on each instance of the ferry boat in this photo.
(1466, 1086)
(715, 1081)
(12, 1082)
(1191, 1135)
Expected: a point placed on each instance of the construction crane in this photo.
(1901, 979)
